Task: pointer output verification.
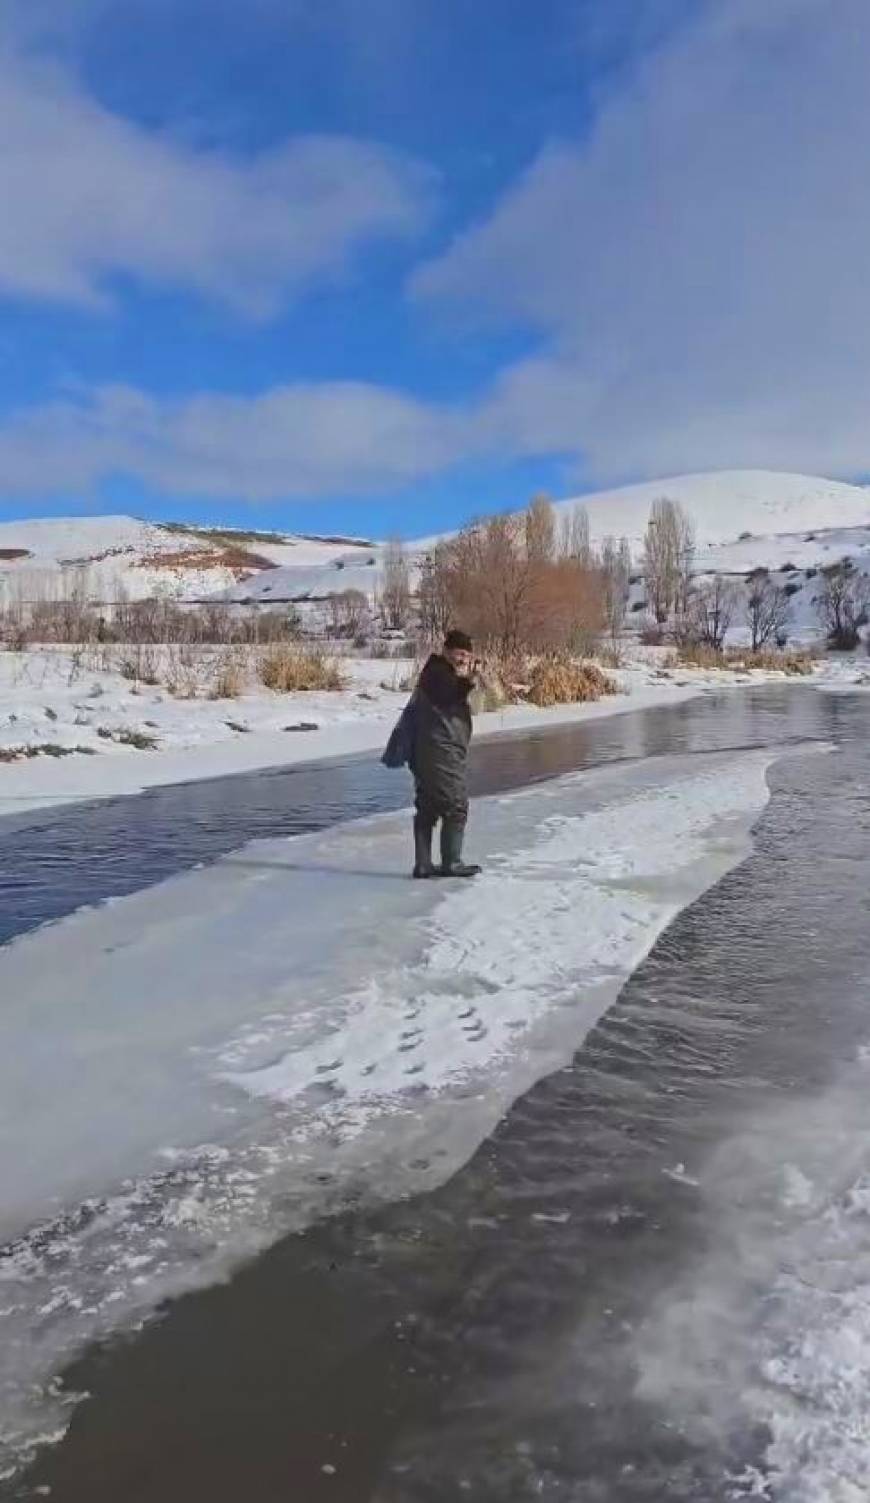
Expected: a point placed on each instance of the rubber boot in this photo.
(423, 866)
(452, 864)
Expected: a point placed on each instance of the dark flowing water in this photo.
(492, 1340)
(52, 862)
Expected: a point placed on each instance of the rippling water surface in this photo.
(53, 861)
(612, 1300)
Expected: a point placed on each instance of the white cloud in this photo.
(300, 441)
(697, 267)
(88, 196)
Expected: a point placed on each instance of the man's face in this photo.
(461, 660)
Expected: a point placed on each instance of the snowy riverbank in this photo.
(47, 700)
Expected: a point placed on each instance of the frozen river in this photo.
(583, 1148)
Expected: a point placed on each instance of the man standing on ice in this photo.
(439, 754)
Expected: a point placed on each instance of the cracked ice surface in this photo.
(190, 1072)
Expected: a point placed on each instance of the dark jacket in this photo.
(442, 730)
(399, 750)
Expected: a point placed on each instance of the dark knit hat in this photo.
(458, 641)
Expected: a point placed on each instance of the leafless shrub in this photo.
(18, 637)
(230, 675)
(708, 614)
(767, 610)
(842, 603)
(694, 654)
(140, 665)
(559, 680)
(125, 735)
(42, 749)
(391, 651)
(186, 670)
(741, 659)
(291, 668)
(795, 664)
(348, 614)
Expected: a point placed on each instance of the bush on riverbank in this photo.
(291, 668)
(562, 681)
(798, 663)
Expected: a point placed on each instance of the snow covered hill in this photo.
(113, 556)
(360, 569)
(743, 519)
(727, 503)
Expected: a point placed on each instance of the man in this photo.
(439, 753)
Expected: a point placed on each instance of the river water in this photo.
(653, 1280)
(52, 862)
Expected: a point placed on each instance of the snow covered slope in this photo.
(725, 503)
(299, 579)
(110, 555)
(778, 511)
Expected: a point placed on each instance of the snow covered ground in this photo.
(49, 699)
(189, 1072)
(110, 556)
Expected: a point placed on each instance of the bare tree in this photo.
(348, 613)
(668, 556)
(505, 580)
(685, 548)
(485, 581)
(74, 616)
(711, 610)
(540, 523)
(843, 603)
(615, 572)
(574, 534)
(435, 593)
(768, 611)
(396, 589)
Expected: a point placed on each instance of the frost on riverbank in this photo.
(201, 1067)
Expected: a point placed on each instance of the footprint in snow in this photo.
(412, 1044)
(412, 1033)
(413, 1069)
(325, 1069)
(468, 1012)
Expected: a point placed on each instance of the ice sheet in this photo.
(189, 1072)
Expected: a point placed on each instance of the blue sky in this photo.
(380, 266)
